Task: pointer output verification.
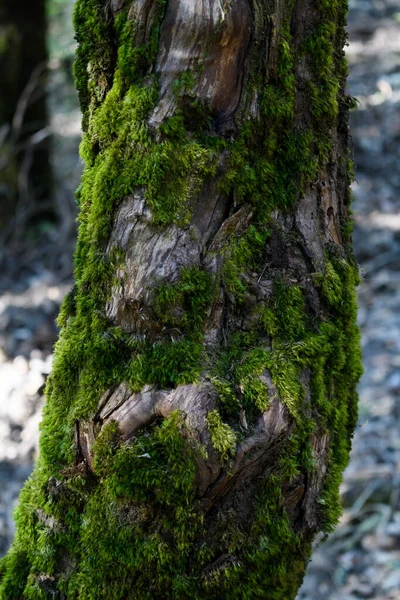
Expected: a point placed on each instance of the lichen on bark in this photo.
(203, 395)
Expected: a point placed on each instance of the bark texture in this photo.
(203, 396)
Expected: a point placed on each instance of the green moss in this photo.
(289, 309)
(185, 305)
(243, 253)
(94, 55)
(328, 351)
(276, 563)
(269, 171)
(155, 472)
(14, 570)
(121, 156)
(131, 526)
(223, 438)
(325, 91)
(185, 83)
(331, 285)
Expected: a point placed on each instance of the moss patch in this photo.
(223, 438)
(184, 305)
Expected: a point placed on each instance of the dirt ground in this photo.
(362, 558)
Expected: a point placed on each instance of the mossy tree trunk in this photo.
(24, 159)
(203, 396)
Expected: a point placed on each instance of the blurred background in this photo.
(39, 172)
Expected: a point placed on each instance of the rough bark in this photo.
(203, 397)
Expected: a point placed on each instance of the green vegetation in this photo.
(131, 526)
(184, 306)
(223, 438)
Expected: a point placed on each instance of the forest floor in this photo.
(362, 558)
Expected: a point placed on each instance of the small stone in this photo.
(393, 529)
(373, 541)
(392, 581)
(383, 558)
(393, 381)
(21, 364)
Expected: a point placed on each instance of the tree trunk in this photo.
(203, 395)
(24, 156)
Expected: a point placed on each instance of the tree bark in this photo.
(203, 396)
